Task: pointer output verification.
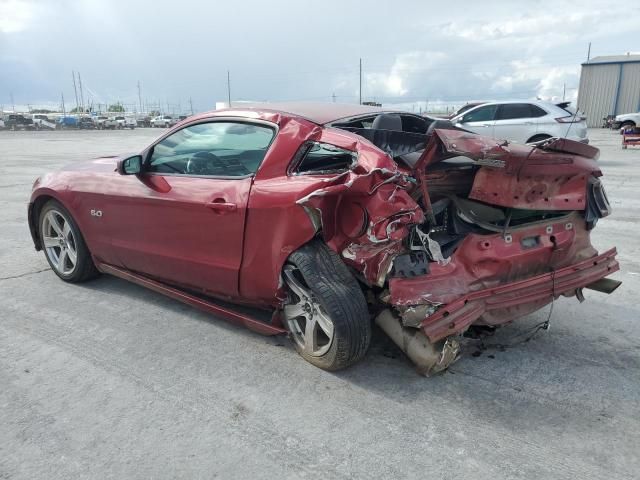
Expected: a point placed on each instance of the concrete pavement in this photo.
(109, 380)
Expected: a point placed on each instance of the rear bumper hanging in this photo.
(456, 316)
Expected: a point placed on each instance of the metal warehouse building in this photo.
(609, 86)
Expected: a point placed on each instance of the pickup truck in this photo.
(111, 123)
(626, 120)
(16, 121)
(164, 121)
(99, 121)
(130, 122)
(124, 122)
(86, 123)
(41, 121)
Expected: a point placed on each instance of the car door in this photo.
(514, 122)
(182, 220)
(478, 120)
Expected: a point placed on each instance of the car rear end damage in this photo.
(464, 230)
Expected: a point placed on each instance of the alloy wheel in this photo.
(59, 242)
(310, 326)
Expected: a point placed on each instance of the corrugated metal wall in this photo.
(596, 96)
(599, 87)
(629, 98)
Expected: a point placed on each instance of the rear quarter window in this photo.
(537, 111)
(321, 158)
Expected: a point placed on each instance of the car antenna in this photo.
(570, 124)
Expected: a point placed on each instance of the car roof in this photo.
(543, 103)
(534, 102)
(321, 113)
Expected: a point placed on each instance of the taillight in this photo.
(570, 119)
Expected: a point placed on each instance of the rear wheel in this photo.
(63, 244)
(538, 138)
(625, 125)
(326, 313)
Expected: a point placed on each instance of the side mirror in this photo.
(130, 165)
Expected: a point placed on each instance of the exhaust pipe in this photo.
(604, 285)
(429, 358)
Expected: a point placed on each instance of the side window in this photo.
(511, 111)
(227, 149)
(320, 158)
(536, 111)
(480, 114)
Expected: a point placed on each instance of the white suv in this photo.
(524, 121)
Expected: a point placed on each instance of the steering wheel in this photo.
(203, 163)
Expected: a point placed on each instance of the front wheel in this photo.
(326, 313)
(64, 245)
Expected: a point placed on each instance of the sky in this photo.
(412, 52)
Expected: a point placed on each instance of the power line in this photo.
(140, 97)
(75, 90)
(360, 89)
(81, 94)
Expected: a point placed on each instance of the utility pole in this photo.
(75, 90)
(360, 89)
(229, 88)
(191, 105)
(64, 112)
(81, 93)
(564, 90)
(13, 105)
(589, 52)
(139, 97)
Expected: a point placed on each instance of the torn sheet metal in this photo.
(365, 217)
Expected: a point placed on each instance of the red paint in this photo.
(229, 238)
(199, 303)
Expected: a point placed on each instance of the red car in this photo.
(310, 219)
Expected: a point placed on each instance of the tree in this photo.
(116, 107)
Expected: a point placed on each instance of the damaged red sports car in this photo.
(312, 219)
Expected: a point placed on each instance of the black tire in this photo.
(84, 268)
(338, 293)
(626, 124)
(538, 138)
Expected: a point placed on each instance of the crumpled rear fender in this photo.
(365, 213)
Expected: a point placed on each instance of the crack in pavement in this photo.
(25, 274)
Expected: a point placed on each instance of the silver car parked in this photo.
(524, 121)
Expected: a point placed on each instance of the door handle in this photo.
(528, 123)
(486, 124)
(220, 205)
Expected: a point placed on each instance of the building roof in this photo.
(613, 59)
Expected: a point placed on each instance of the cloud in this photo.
(411, 51)
(404, 70)
(546, 81)
(520, 27)
(15, 15)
